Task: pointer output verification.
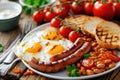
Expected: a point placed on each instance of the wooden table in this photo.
(7, 37)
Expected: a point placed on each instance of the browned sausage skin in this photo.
(62, 63)
(78, 43)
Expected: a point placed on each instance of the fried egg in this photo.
(42, 45)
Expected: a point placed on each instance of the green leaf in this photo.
(74, 73)
(86, 55)
(35, 4)
(1, 48)
(68, 68)
(73, 66)
(28, 10)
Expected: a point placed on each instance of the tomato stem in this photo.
(78, 30)
(78, 2)
(93, 1)
(117, 0)
(103, 1)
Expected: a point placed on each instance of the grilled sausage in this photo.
(78, 43)
(62, 63)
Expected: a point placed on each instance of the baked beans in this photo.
(100, 64)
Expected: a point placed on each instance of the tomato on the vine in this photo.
(38, 16)
(49, 16)
(60, 11)
(47, 9)
(110, 1)
(104, 10)
(65, 30)
(77, 7)
(66, 5)
(88, 8)
(117, 9)
(56, 22)
(73, 35)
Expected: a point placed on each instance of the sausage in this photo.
(56, 66)
(78, 43)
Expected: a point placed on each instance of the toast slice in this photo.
(90, 26)
(77, 20)
(107, 35)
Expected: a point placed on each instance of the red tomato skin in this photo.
(105, 11)
(64, 31)
(88, 63)
(66, 5)
(38, 16)
(117, 9)
(49, 16)
(88, 8)
(55, 22)
(110, 1)
(61, 12)
(77, 9)
(73, 36)
(112, 56)
(47, 9)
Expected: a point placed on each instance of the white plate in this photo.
(62, 74)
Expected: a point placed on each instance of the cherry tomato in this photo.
(104, 10)
(38, 16)
(110, 1)
(117, 9)
(77, 8)
(49, 16)
(66, 5)
(73, 35)
(56, 22)
(64, 31)
(88, 63)
(61, 11)
(112, 56)
(47, 9)
(88, 8)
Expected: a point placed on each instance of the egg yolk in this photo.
(35, 48)
(51, 36)
(56, 49)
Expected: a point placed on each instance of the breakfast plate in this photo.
(62, 74)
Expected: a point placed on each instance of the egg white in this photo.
(43, 55)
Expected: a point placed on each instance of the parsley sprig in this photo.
(73, 71)
(87, 55)
(35, 5)
(1, 48)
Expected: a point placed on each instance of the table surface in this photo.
(7, 37)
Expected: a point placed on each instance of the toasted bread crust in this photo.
(108, 35)
(90, 26)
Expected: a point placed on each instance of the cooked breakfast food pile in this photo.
(83, 45)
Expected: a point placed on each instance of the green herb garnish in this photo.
(35, 5)
(73, 71)
(1, 48)
(86, 55)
